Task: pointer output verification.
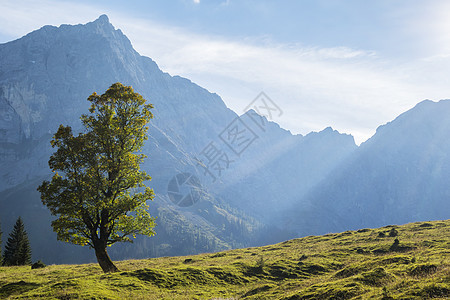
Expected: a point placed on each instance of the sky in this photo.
(349, 64)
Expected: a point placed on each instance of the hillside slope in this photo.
(363, 264)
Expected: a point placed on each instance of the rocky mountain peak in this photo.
(250, 165)
(103, 27)
(424, 123)
(103, 19)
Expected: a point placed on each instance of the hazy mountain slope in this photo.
(282, 170)
(399, 175)
(47, 75)
(45, 78)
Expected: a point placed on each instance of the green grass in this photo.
(361, 264)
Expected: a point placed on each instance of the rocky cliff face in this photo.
(45, 78)
(47, 75)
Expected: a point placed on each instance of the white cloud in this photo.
(18, 18)
(352, 90)
(196, 1)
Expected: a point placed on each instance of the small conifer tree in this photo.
(17, 249)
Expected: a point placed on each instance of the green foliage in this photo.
(99, 196)
(17, 249)
(331, 269)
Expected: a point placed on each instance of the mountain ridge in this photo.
(398, 175)
(45, 78)
(278, 186)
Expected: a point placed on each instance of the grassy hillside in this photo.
(363, 264)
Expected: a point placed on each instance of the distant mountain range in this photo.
(400, 174)
(255, 183)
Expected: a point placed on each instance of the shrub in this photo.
(393, 232)
(38, 265)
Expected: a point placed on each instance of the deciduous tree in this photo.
(98, 192)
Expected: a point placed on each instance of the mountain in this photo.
(285, 169)
(399, 175)
(47, 75)
(45, 78)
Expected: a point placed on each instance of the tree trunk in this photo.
(104, 261)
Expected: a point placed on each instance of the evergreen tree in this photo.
(17, 249)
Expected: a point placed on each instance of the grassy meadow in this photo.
(363, 264)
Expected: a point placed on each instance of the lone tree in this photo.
(100, 197)
(17, 249)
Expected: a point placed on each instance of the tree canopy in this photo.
(98, 192)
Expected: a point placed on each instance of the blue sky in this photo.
(352, 65)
